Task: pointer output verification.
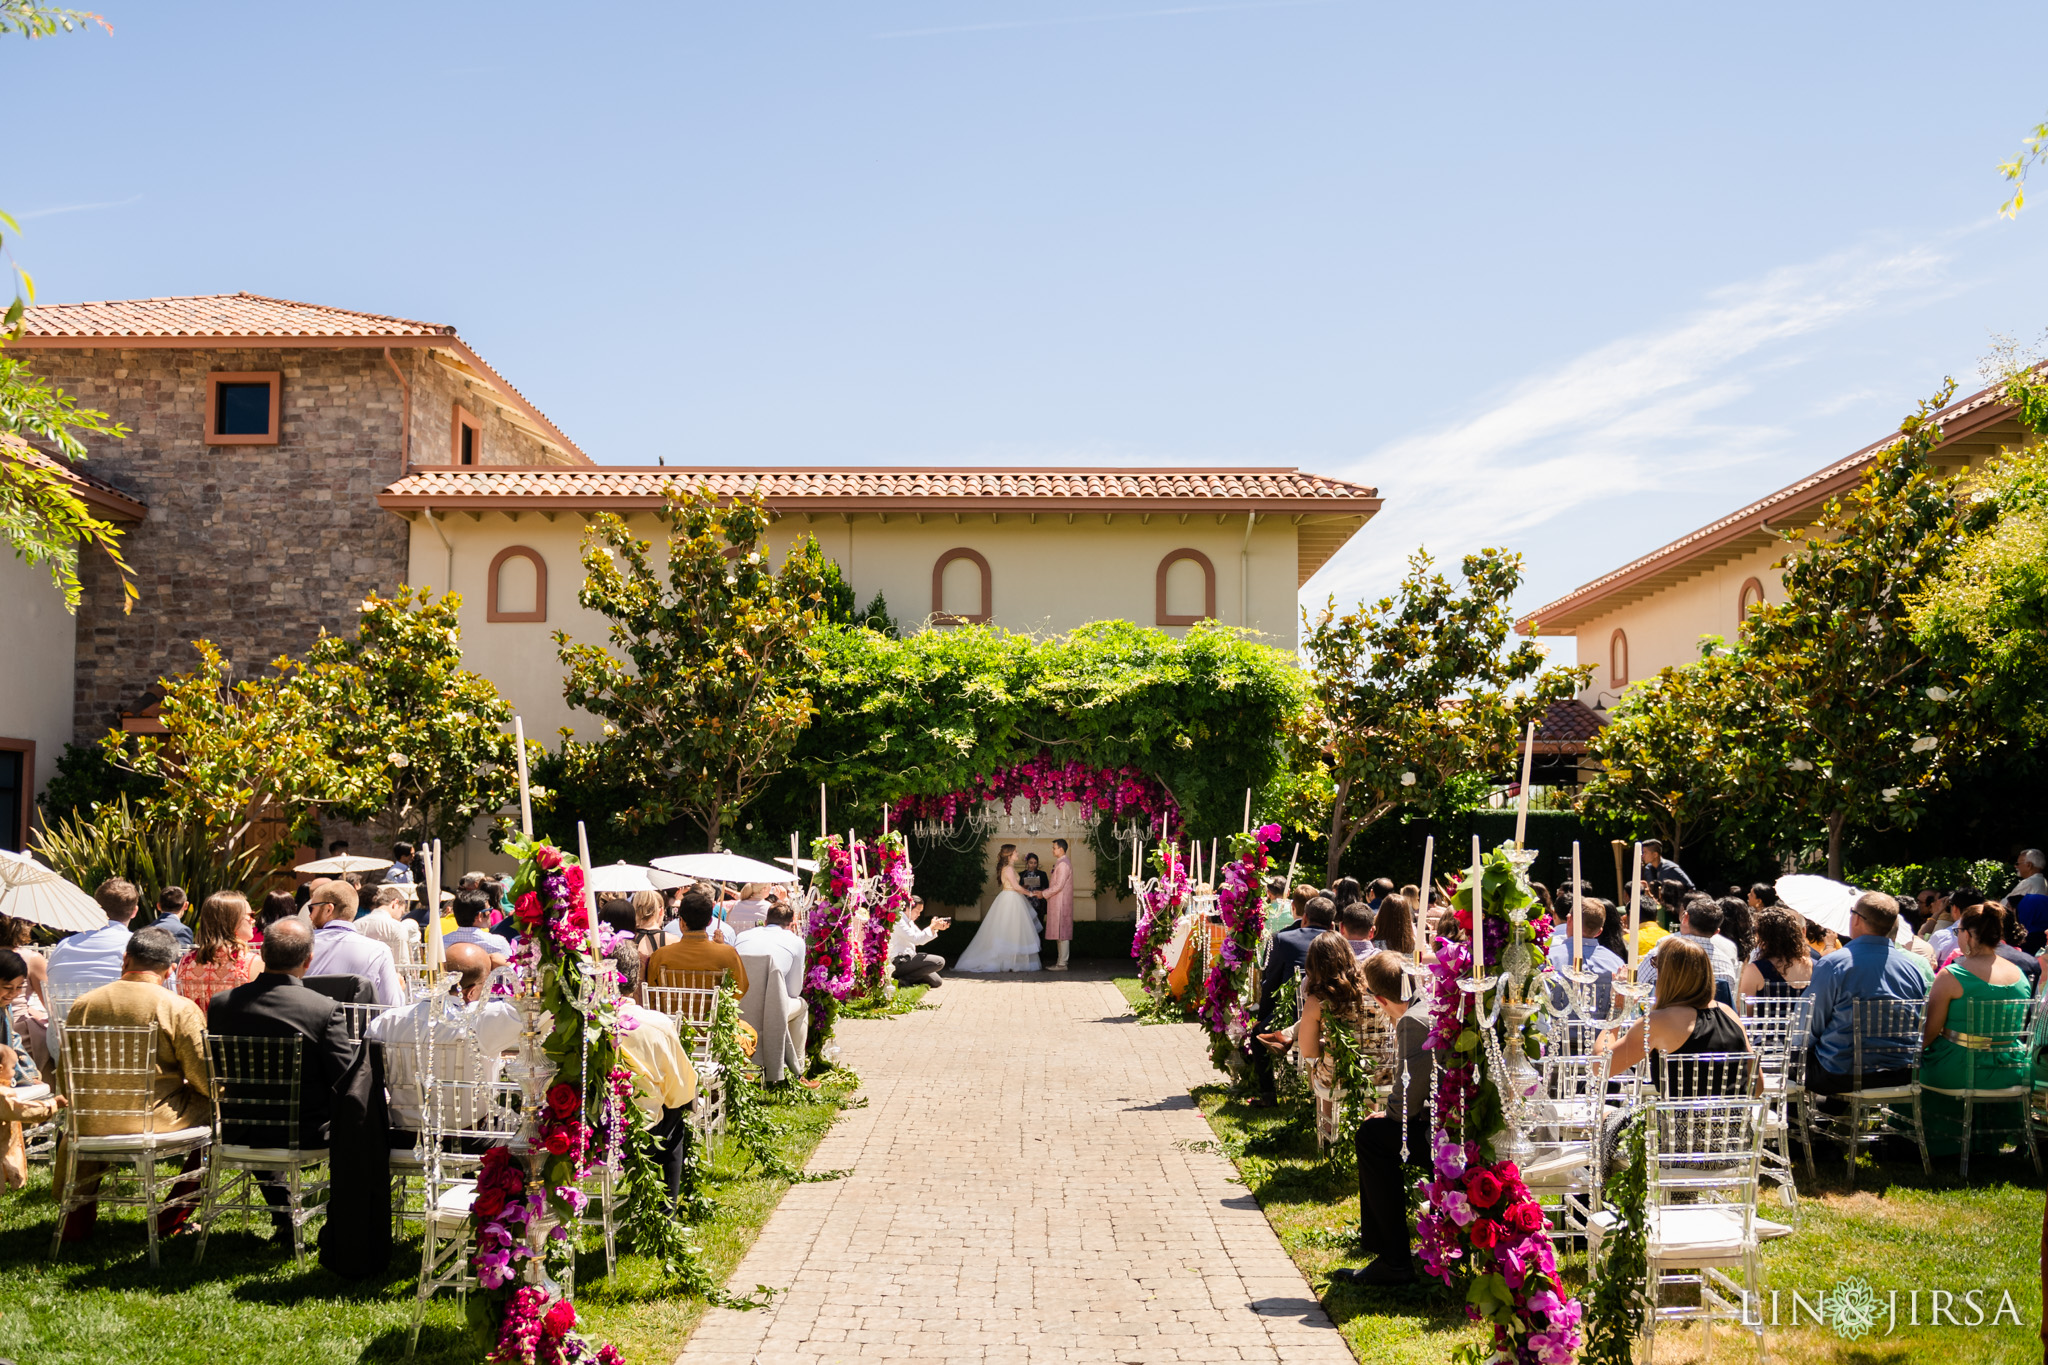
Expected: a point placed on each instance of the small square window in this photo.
(242, 409)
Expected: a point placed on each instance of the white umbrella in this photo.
(342, 863)
(800, 864)
(722, 867)
(30, 891)
(1827, 903)
(624, 879)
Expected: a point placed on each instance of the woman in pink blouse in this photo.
(221, 958)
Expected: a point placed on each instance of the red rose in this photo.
(548, 856)
(561, 1318)
(1526, 1218)
(488, 1204)
(1485, 1233)
(564, 1101)
(496, 1156)
(527, 908)
(1510, 1172)
(1483, 1187)
(558, 1142)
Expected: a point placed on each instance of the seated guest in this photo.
(1699, 923)
(1381, 888)
(1784, 964)
(470, 1048)
(383, 917)
(1393, 926)
(470, 909)
(181, 1088)
(910, 966)
(2013, 951)
(277, 905)
(649, 937)
(32, 1011)
(400, 871)
(170, 915)
(277, 1005)
(94, 958)
(1355, 924)
(1595, 957)
(748, 911)
(15, 1062)
(664, 1082)
(1955, 1057)
(1940, 910)
(221, 958)
(1333, 996)
(1820, 941)
(1871, 967)
(1684, 1018)
(1287, 955)
(694, 951)
(340, 950)
(774, 939)
(1738, 925)
(1382, 1182)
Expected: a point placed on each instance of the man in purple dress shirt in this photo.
(338, 950)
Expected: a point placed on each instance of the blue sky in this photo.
(1572, 279)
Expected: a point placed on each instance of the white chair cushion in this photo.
(142, 1142)
(1884, 1095)
(270, 1156)
(38, 1091)
(2010, 1092)
(451, 1211)
(1767, 1231)
(1697, 1234)
(1552, 1165)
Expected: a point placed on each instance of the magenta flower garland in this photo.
(1044, 781)
(1158, 911)
(1481, 1228)
(1240, 904)
(833, 967)
(893, 873)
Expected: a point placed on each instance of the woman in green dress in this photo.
(1962, 1008)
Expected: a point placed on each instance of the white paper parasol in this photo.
(723, 867)
(30, 891)
(624, 879)
(342, 863)
(1827, 903)
(801, 864)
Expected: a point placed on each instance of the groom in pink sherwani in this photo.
(1059, 905)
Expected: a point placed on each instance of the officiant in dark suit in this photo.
(1283, 960)
(1034, 880)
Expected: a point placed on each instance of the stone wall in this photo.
(253, 547)
(440, 380)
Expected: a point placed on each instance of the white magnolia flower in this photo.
(753, 557)
(1408, 779)
(1800, 765)
(1890, 793)
(398, 760)
(1924, 744)
(366, 605)
(1938, 694)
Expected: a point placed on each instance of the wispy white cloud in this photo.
(1061, 21)
(80, 208)
(1642, 412)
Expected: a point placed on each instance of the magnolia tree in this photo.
(428, 743)
(1416, 690)
(713, 690)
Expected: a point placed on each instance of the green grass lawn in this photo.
(1898, 1230)
(249, 1303)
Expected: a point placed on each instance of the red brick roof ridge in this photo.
(50, 311)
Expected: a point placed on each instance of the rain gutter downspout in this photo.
(448, 583)
(1244, 573)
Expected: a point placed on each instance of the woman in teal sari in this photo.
(1971, 999)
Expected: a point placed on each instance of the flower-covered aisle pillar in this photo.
(1227, 999)
(1159, 908)
(1482, 1231)
(889, 901)
(831, 956)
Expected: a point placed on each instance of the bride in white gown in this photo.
(1008, 938)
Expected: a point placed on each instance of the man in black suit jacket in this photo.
(278, 1005)
(1283, 960)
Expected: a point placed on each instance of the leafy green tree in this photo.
(713, 690)
(43, 520)
(1861, 719)
(427, 741)
(1410, 692)
(2033, 147)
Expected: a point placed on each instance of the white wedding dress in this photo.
(1008, 938)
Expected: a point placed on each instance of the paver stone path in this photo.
(1028, 1185)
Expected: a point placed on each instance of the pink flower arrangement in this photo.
(1158, 910)
(828, 940)
(1241, 905)
(536, 1331)
(1045, 781)
(892, 857)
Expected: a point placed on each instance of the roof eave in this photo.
(833, 503)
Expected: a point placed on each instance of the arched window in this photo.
(1187, 588)
(1617, 659)
(518, 586)
(1752, 594)
(963, 592)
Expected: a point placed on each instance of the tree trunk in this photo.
(1337, 843)
(1835, 823)
(711, 827)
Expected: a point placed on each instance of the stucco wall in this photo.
(35, 665)
(1051, 576)
(1666, 628)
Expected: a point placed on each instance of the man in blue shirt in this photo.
(1595, 957)
(1871, 967)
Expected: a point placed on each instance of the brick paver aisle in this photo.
(1021, 1192)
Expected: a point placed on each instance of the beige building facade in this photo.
(1655, 612)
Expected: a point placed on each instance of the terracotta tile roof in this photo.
(216, 315)
(1981, 409)
(196, 319)
(106, 500)
(1566, 727)
(889, 489)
